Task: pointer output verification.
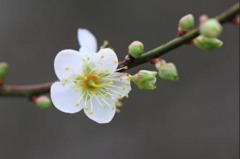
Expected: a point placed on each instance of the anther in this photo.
(105, 44)
(123, 68)
(91, 112)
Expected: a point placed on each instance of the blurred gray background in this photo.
(195, 118)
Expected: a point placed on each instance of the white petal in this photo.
(121, 86)
(65, 98)
(68, 62)
(87, 40)
(84, 50)
(100, 110)
(86, 54)
(106, 60)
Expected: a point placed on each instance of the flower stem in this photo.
(31, 90)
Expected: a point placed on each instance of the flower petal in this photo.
(121, 85)
(87, 40)
(84, 50)
(100, 110)
(106, 60)
(65, 98)
(68, 62)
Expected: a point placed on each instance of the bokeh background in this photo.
(195, 118)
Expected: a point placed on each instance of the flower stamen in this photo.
(122, 68)
(92, 83)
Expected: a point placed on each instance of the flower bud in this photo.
(169, 72)
(211, 28)
(3, 71)
(159, 63)
(186, 23)
(42, 102)
(145, 80)
(136, 49)
(207, 44)
(203, 18)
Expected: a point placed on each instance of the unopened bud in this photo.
(145, 80)
(211, 28)
(159, 63)
(3, 71)
(42, 102)
(207, 44)
(136, 49)
(186, 23)
(168, 71)
(203, 18)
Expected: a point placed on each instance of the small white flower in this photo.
(88, 80)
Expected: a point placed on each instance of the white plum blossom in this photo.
(89, 80)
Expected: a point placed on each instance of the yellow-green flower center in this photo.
(91, 82)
